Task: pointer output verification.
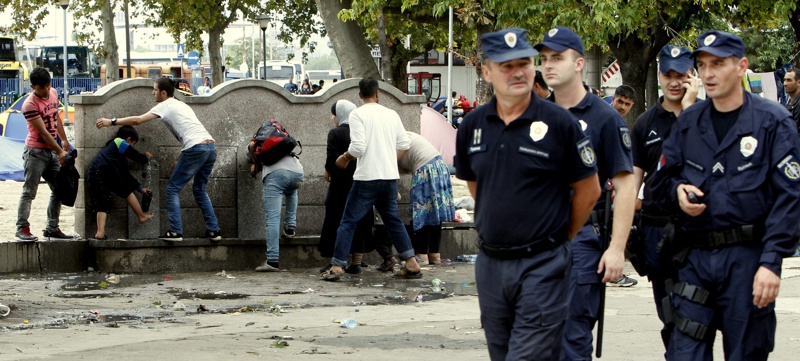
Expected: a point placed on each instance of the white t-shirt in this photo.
(289, 162)
(376, 134)
(182, 122)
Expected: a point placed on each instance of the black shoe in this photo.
(213, 235)
(353, 269)
(388, 265)
(171, 236)
(289, 232)
(56, 234)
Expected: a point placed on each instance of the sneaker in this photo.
(24, 234)
(213, 235)
(56, 234)
(289, 232)
(268, 266)
(624, 281)
(171, 236)
(387, 265)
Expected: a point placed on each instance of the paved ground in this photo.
(246, 315)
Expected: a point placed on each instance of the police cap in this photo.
(506, 45)
(720, 44)
(561, 38)
(675, 58)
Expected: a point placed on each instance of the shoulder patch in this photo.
(625, 136)
(586, 152)
(790, 168)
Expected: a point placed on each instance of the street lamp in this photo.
(263, 22)
(64, 4)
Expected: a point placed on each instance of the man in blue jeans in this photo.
(377, 136)
(196, 161)
(281, 179)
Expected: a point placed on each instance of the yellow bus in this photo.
(9, 66)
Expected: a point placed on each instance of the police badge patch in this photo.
(790, 168)
(538, 130)
(748, 145)
(586, 152)
(625, 135)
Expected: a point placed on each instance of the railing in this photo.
(10, 89)
(9, 92)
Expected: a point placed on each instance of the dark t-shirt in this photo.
(723, 122)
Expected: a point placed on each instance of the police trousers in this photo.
(584, 296)
(523, 304)
(748, 333)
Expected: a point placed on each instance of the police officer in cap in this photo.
(521, 157)
(731, 171)
(561, 53)
(675, 67)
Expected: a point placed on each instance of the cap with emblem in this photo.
(721, 44)
(675, 58)
(506, 45)
(561, 38)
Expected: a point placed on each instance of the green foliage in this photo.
(325, 62)
(768, 50)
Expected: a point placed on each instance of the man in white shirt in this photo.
(376, 137)
(196, 161)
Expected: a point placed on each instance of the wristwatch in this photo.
(113, 121)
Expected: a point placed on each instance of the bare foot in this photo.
(99, 236)
(146, 218)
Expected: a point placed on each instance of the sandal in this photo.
(408, 274)
(330, 276)
(387, 265)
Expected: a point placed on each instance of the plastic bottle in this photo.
(436, 285)
(470, 258)
(349, 323)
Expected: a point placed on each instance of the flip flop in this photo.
(330, 276)
(407, 274)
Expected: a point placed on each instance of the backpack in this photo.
(273, 142)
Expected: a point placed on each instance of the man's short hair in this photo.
(796, 73)
(166, 85)
(40, 77)
(127, 131)
(539, 79)
(454, 94)
(367, 87)
(625, 91)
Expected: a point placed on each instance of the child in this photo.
(109, 173)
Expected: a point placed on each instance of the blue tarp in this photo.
(11, 159)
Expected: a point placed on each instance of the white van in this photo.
(279, 72)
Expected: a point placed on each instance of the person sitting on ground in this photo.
(108, 173)
(431, 196)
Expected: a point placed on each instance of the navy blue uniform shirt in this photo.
(523, 171)
(751, 177)
(609, 134)
(648, 134)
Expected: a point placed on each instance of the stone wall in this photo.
(232, 112)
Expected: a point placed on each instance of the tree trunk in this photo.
(348, 41)
(215, 55)
(635, 56)
(651, 86)
(483, 90)
(794, 19)
(110, 43)
(386, 52)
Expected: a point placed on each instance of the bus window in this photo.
(154, 73)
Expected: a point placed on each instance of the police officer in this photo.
(521, 156)
(731, 170)
(561, 53)
(679, 87)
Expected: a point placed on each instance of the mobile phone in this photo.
(693, 198)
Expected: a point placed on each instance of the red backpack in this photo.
(273, 142)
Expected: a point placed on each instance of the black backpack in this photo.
(273, 142)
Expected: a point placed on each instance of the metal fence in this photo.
(11, 89)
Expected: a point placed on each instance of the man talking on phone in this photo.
(649, 132)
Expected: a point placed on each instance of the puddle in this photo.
(205, 295)
(94, 295)
(101, 281)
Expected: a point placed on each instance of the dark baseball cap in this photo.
(675, 58)
(720, 43)
(507, 44)
(561, 38)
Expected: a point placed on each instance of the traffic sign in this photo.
(193, 58)
(181, 50)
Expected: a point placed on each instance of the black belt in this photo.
(654, 221)
(736, 235)
(528, 250)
